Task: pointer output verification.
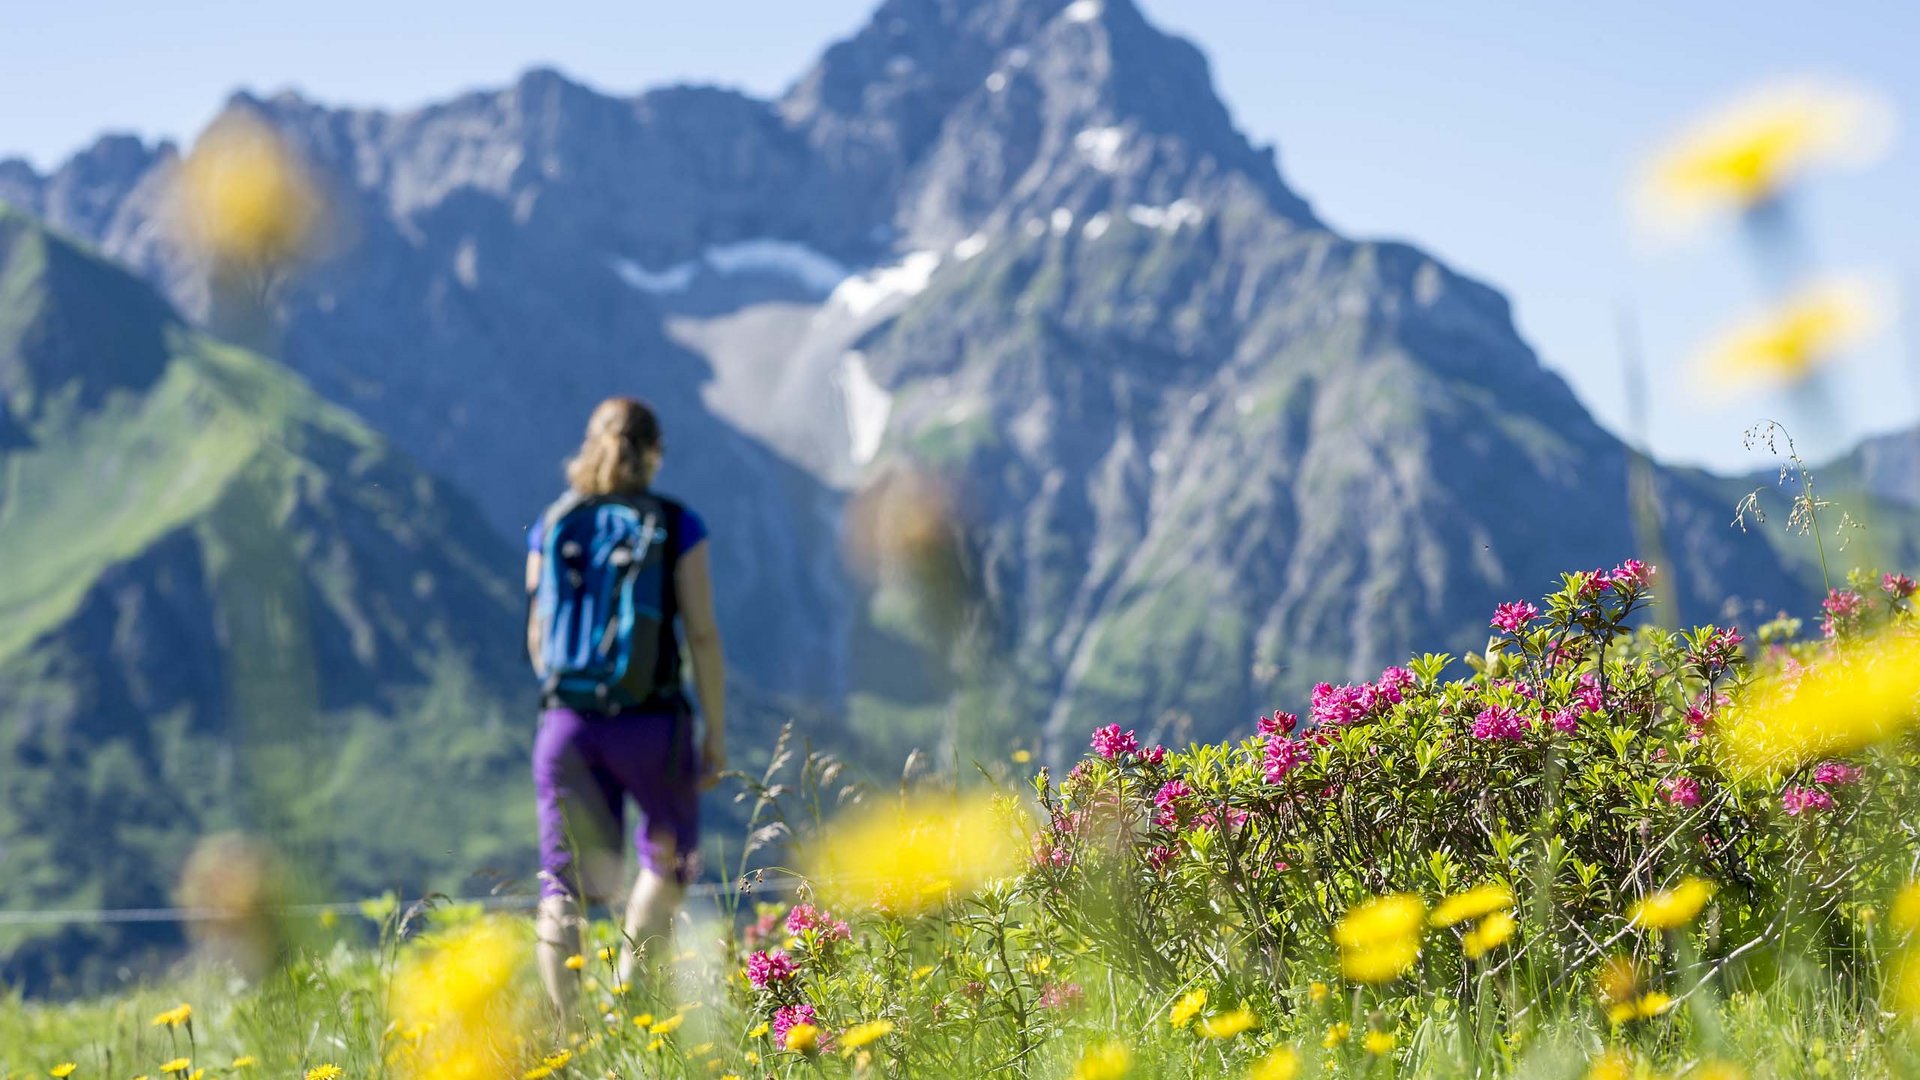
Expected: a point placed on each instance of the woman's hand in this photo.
(713, 760)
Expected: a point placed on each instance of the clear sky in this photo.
(1499, 136)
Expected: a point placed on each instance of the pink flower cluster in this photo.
(1282, 757)
(766, 968)
(1393, 684)
(787, 1017)
(1632, 573)
(1513, 616)
(1112, 743)
(1338, 706)
(1842, 607)
(1061, 995)
(1564, 721)
(1167, 800)
(1280, 723)
(806, 917)
(1160, 856)
(1835, 774)
(1682, 791)
(1898, 586)
(1153, 755)
(1720, 649)
(1499, 722)
(1588, 695)
(1798, 800)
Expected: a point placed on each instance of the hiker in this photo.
(612, 567)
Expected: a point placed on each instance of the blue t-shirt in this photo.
(691, 532)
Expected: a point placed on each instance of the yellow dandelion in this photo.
(538, 1072)
(1282, 1064)
(1612, 1065)
(1833, 710)
(1380, 938)
(1672, 908)
(1108, 1061)
(174, 1017)
(804, 1038)
(177, 1065)
(1021, 757)
(1652, 1004)
(758, 1030)
(459, 975)
(1904, 912)
(1903, 985)
(608, 954)
(1494, 931)
(558, 1059)
(668, 1026)
(1806, 330)
(654, 1044)
(328, 1071)
(1472, 904)
(1751, 150)
(63, 1070)
(860, 1035)
(1337, 1035)
(576, 962)
(922, 972)
(1188, 1007)
(1317, 992)
(197, 1074)
(1379, 1043)
(908, 856)
(243, 197)
(245, 1061)
(645, 1020)
(1228, 1024)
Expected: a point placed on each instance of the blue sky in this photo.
(1500, 137)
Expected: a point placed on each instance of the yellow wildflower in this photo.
(1379, 1042)
(1749, 151)
(1188, 1007)
(860, 1035)
(1833, 710)
(63, 1070)
(1672, 908)
(177, 1065)
(242, 197)
(758, 1030)
(1227, 1025)
(908, 856)
(608, 954)
(804, 1038)
(1317, 992)
(645, 1020)
(1380, 938)
(1612, 1065)
(246, 1061)
(1494, 931)
(558, 1059)
(1719, 1070)
(174, 1017)
(196, 1074)
(668, 1026)
(1782, 345)
(1337, 1035)
(654, 1044)
(1652, 1004)
(1021, 757)
(1282, 1064)
(576, 962)
(1904, 912)
(538, 1072)
(328, 1071)
(1108, 1061)
(460, 974)
(1475, 902)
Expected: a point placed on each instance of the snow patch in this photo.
(1060, 221)
(971, 246)
(674, 279)
(908, 277)
(1181, 213)
(1083, 10)
(817, 271)
(1097, 225)
(868, 406)
(1101, 147)
(996, 82)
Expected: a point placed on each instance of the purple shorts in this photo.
(584, 768)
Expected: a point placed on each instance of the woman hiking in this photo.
(614, 572)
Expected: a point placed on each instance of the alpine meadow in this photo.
(1164, 636)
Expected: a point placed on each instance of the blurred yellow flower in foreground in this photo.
(1282, 1064)
(174, 1017)
(1750, 150)
(1836, 707)
(462, 986)
(1670, 909)
(1378, 1043)
(1475, 902)
(1905, 910)
(243, 197)
(1108, 1061)
(1494, 931)
(909, 856)
(803, 1038)
(1612, 1065)
(1719, 1070)
(177, 1065)
(1337, 1035)
(1808, 329)
(1380, 938)
(860, 1035)
(1228, 1024)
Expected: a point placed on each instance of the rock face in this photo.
(1213, 451)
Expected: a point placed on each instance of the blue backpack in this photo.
(604, 605)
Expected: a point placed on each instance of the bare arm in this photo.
(533, 583)
(693, 584)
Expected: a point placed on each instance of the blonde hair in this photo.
(621, 450)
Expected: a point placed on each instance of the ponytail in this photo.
(621, 449)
